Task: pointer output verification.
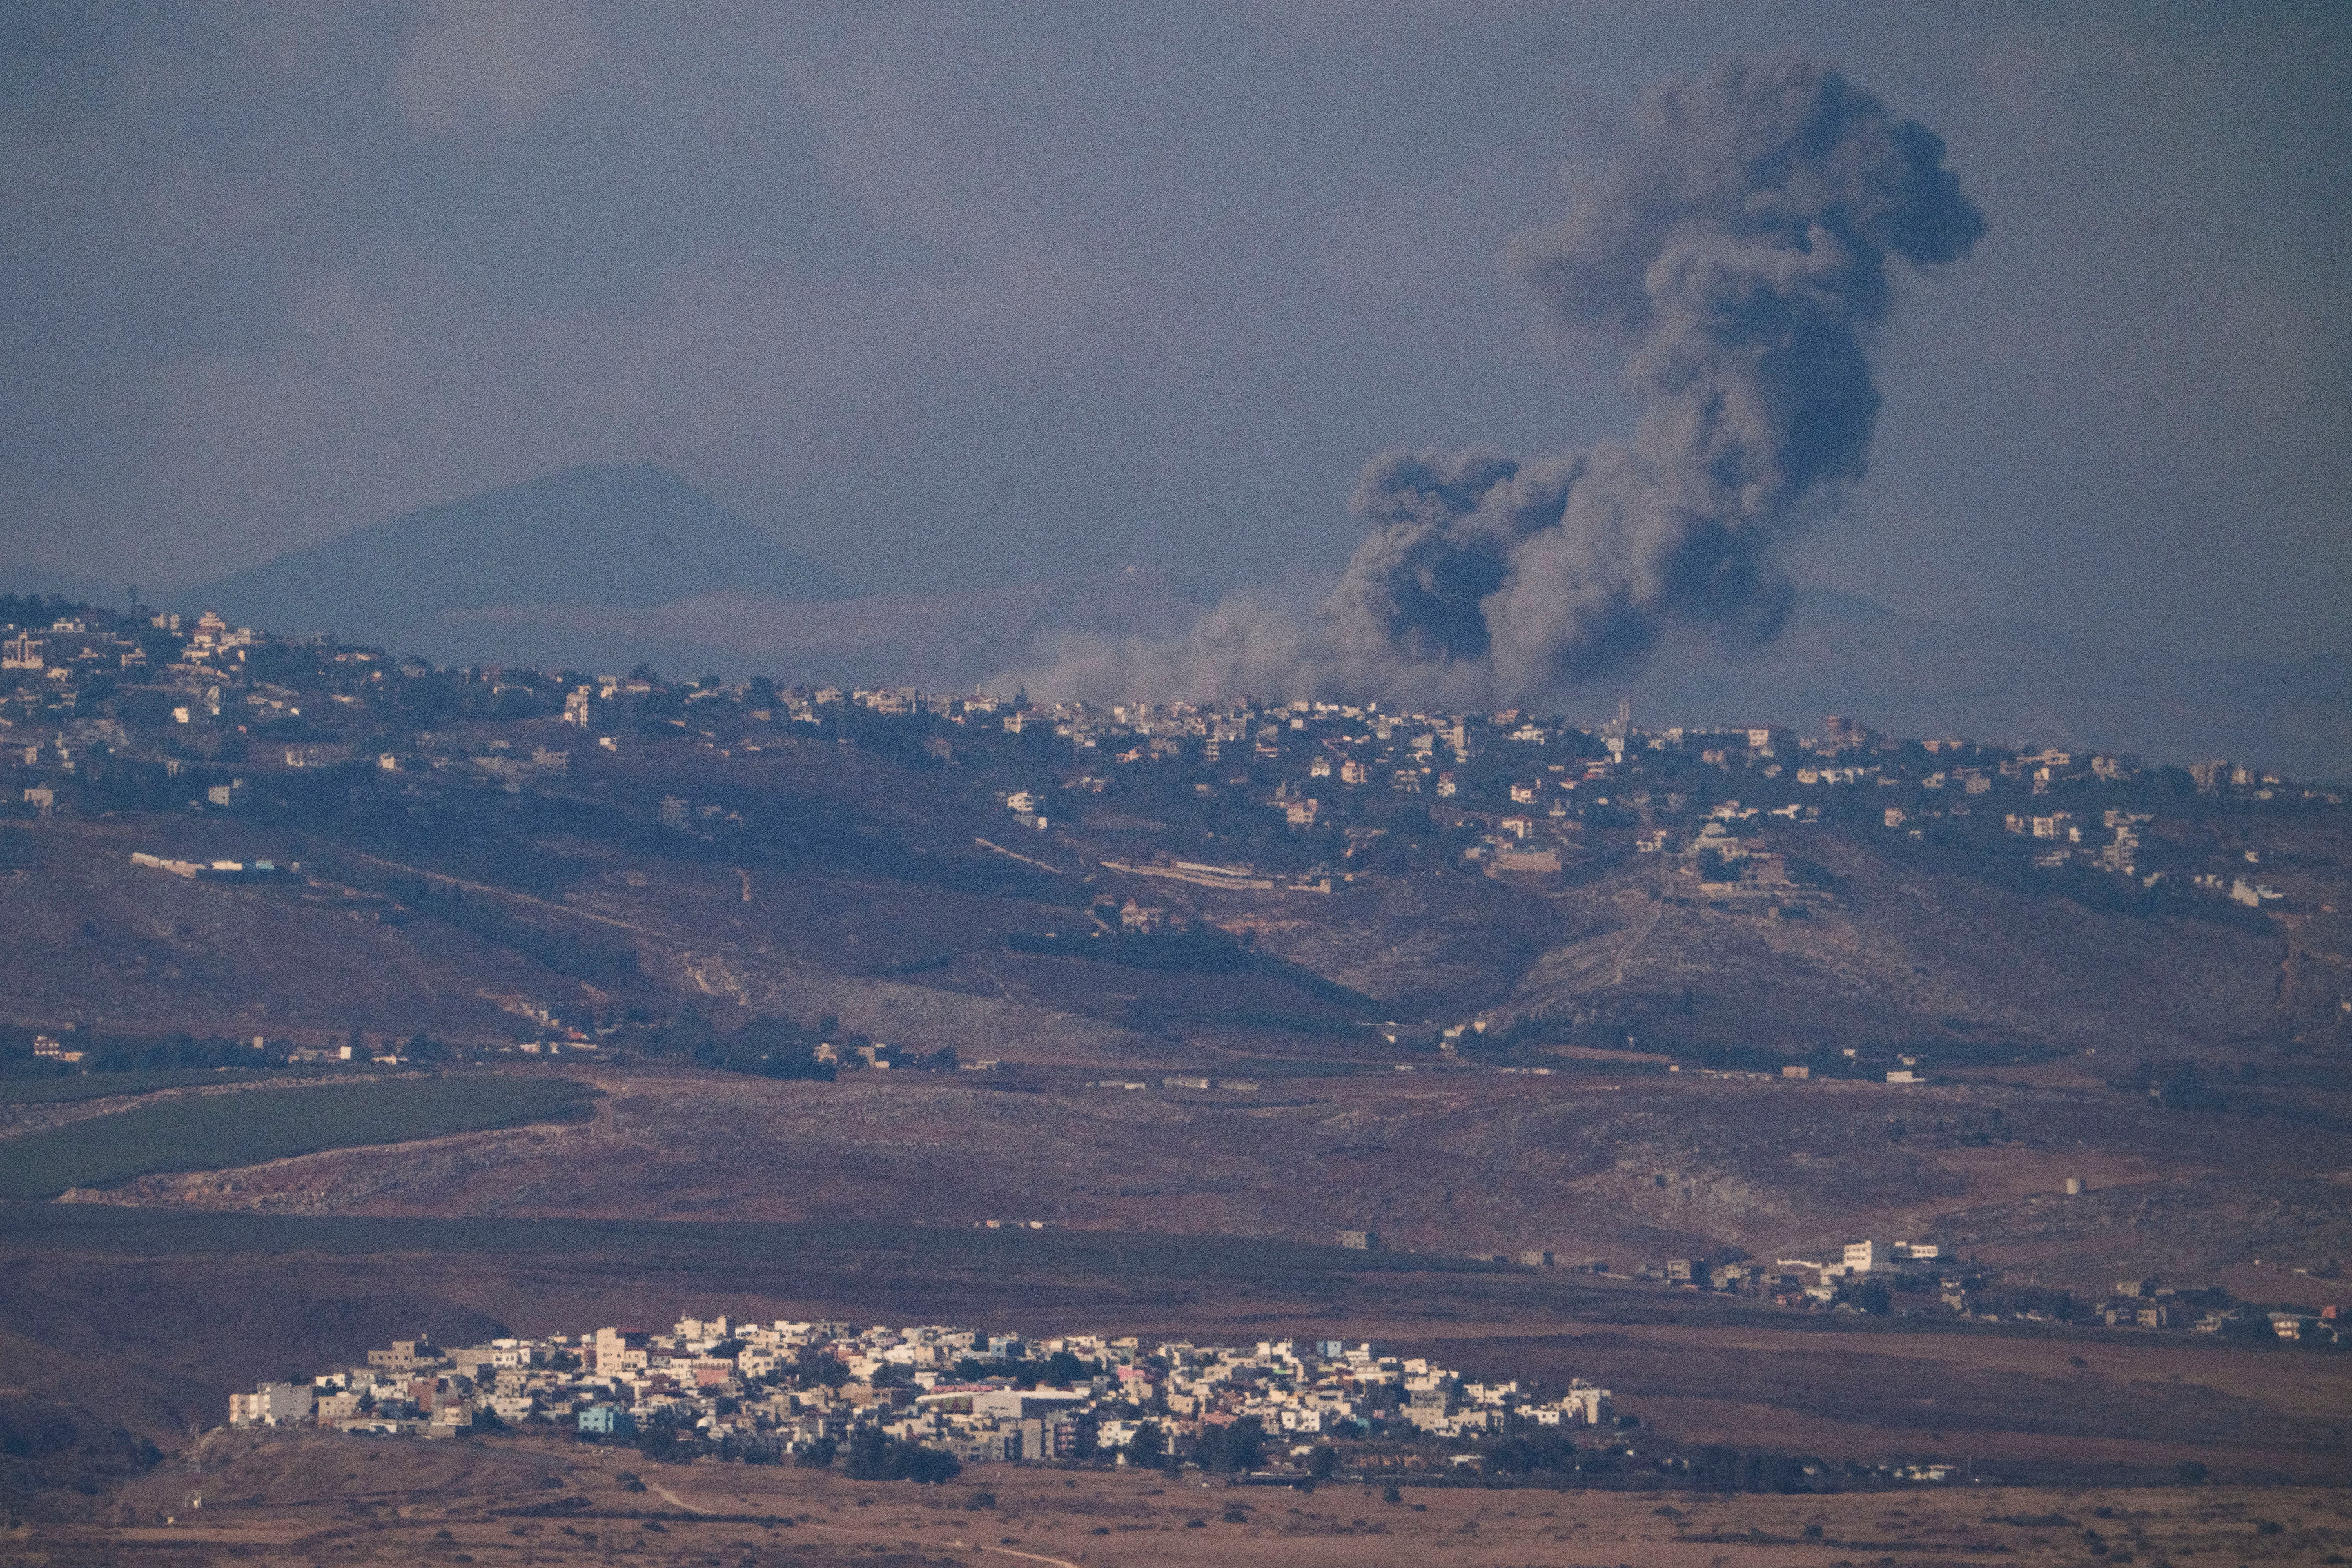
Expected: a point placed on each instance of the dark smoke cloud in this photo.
(1738, 254)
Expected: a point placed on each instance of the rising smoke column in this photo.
(1739, 255)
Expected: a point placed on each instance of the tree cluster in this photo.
(875, 1458)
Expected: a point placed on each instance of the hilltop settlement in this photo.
(102, 711)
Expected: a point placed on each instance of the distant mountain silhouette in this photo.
(611, 536)
(938, 641)
(39, 577)
(598, 568)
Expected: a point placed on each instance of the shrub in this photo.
(875, 1458)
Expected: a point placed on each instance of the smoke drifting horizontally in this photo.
(1739, 253)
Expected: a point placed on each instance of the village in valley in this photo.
(808, 1391)
(919, 1402)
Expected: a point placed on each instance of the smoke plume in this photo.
(1739, 255)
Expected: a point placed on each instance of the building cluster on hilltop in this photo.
(1528, 791)
(1300, 796)
(770, 1390)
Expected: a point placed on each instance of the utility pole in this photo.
(196, 1464)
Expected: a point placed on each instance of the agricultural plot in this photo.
(214, 1131)
(65, 1090)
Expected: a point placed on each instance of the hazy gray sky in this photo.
(962, 294)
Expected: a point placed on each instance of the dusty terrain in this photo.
(1631, 1170)
(874, 902)
(880, 906)
(154, 1319)
(357, 1501)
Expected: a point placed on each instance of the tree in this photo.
(1323, 1463)
(868, 1458)
(928, 1467)
(2251, 1326)
(1148, 1447)
(1231, 1448)
(1523, 1453)
(1718, 1468)
(875, 1458)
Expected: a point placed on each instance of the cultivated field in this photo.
(100, 1086)
(214, 1132)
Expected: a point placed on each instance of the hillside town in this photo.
(102, 710)
(807, 1390)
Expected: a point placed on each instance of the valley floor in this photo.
(350, 1500)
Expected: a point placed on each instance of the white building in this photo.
(271, 1405)
(1868, 1256)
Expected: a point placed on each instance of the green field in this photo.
(65, 1087)
(213, 1132)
